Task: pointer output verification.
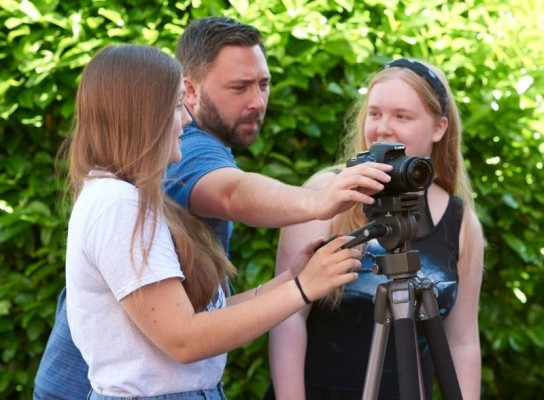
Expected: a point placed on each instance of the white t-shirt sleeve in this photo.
(108, 246)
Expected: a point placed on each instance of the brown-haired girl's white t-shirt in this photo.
(99, 273)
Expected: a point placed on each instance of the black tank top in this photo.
(339, 340)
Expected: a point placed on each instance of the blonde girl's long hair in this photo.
(446, 156)
(125, 108)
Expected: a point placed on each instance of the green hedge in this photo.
(320, 53)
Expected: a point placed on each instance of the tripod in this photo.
(402, 300)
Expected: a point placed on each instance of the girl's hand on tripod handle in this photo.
(304, 256)
(329, 268)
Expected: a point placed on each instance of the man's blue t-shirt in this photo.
(201, 153)
(62, 373)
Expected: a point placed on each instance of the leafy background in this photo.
(320, 54)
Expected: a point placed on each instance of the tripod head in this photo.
(394, 224)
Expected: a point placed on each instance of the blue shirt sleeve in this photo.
(201, 153)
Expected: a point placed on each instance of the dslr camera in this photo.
(409, 174)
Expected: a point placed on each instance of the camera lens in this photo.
(419, 173)
(409, 174)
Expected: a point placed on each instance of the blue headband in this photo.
(425, 72)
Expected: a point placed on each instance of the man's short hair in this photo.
(204, 38)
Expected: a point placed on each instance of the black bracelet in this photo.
(304, 297)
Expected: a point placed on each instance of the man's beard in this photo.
(210, 120)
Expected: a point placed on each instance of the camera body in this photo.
(409, 174)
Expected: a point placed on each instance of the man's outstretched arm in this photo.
(257, 200)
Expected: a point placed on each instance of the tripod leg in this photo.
(402, 298)
(378, 345)
(375, 361)
(438, 344)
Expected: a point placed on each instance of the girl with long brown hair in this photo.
(144, 277)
